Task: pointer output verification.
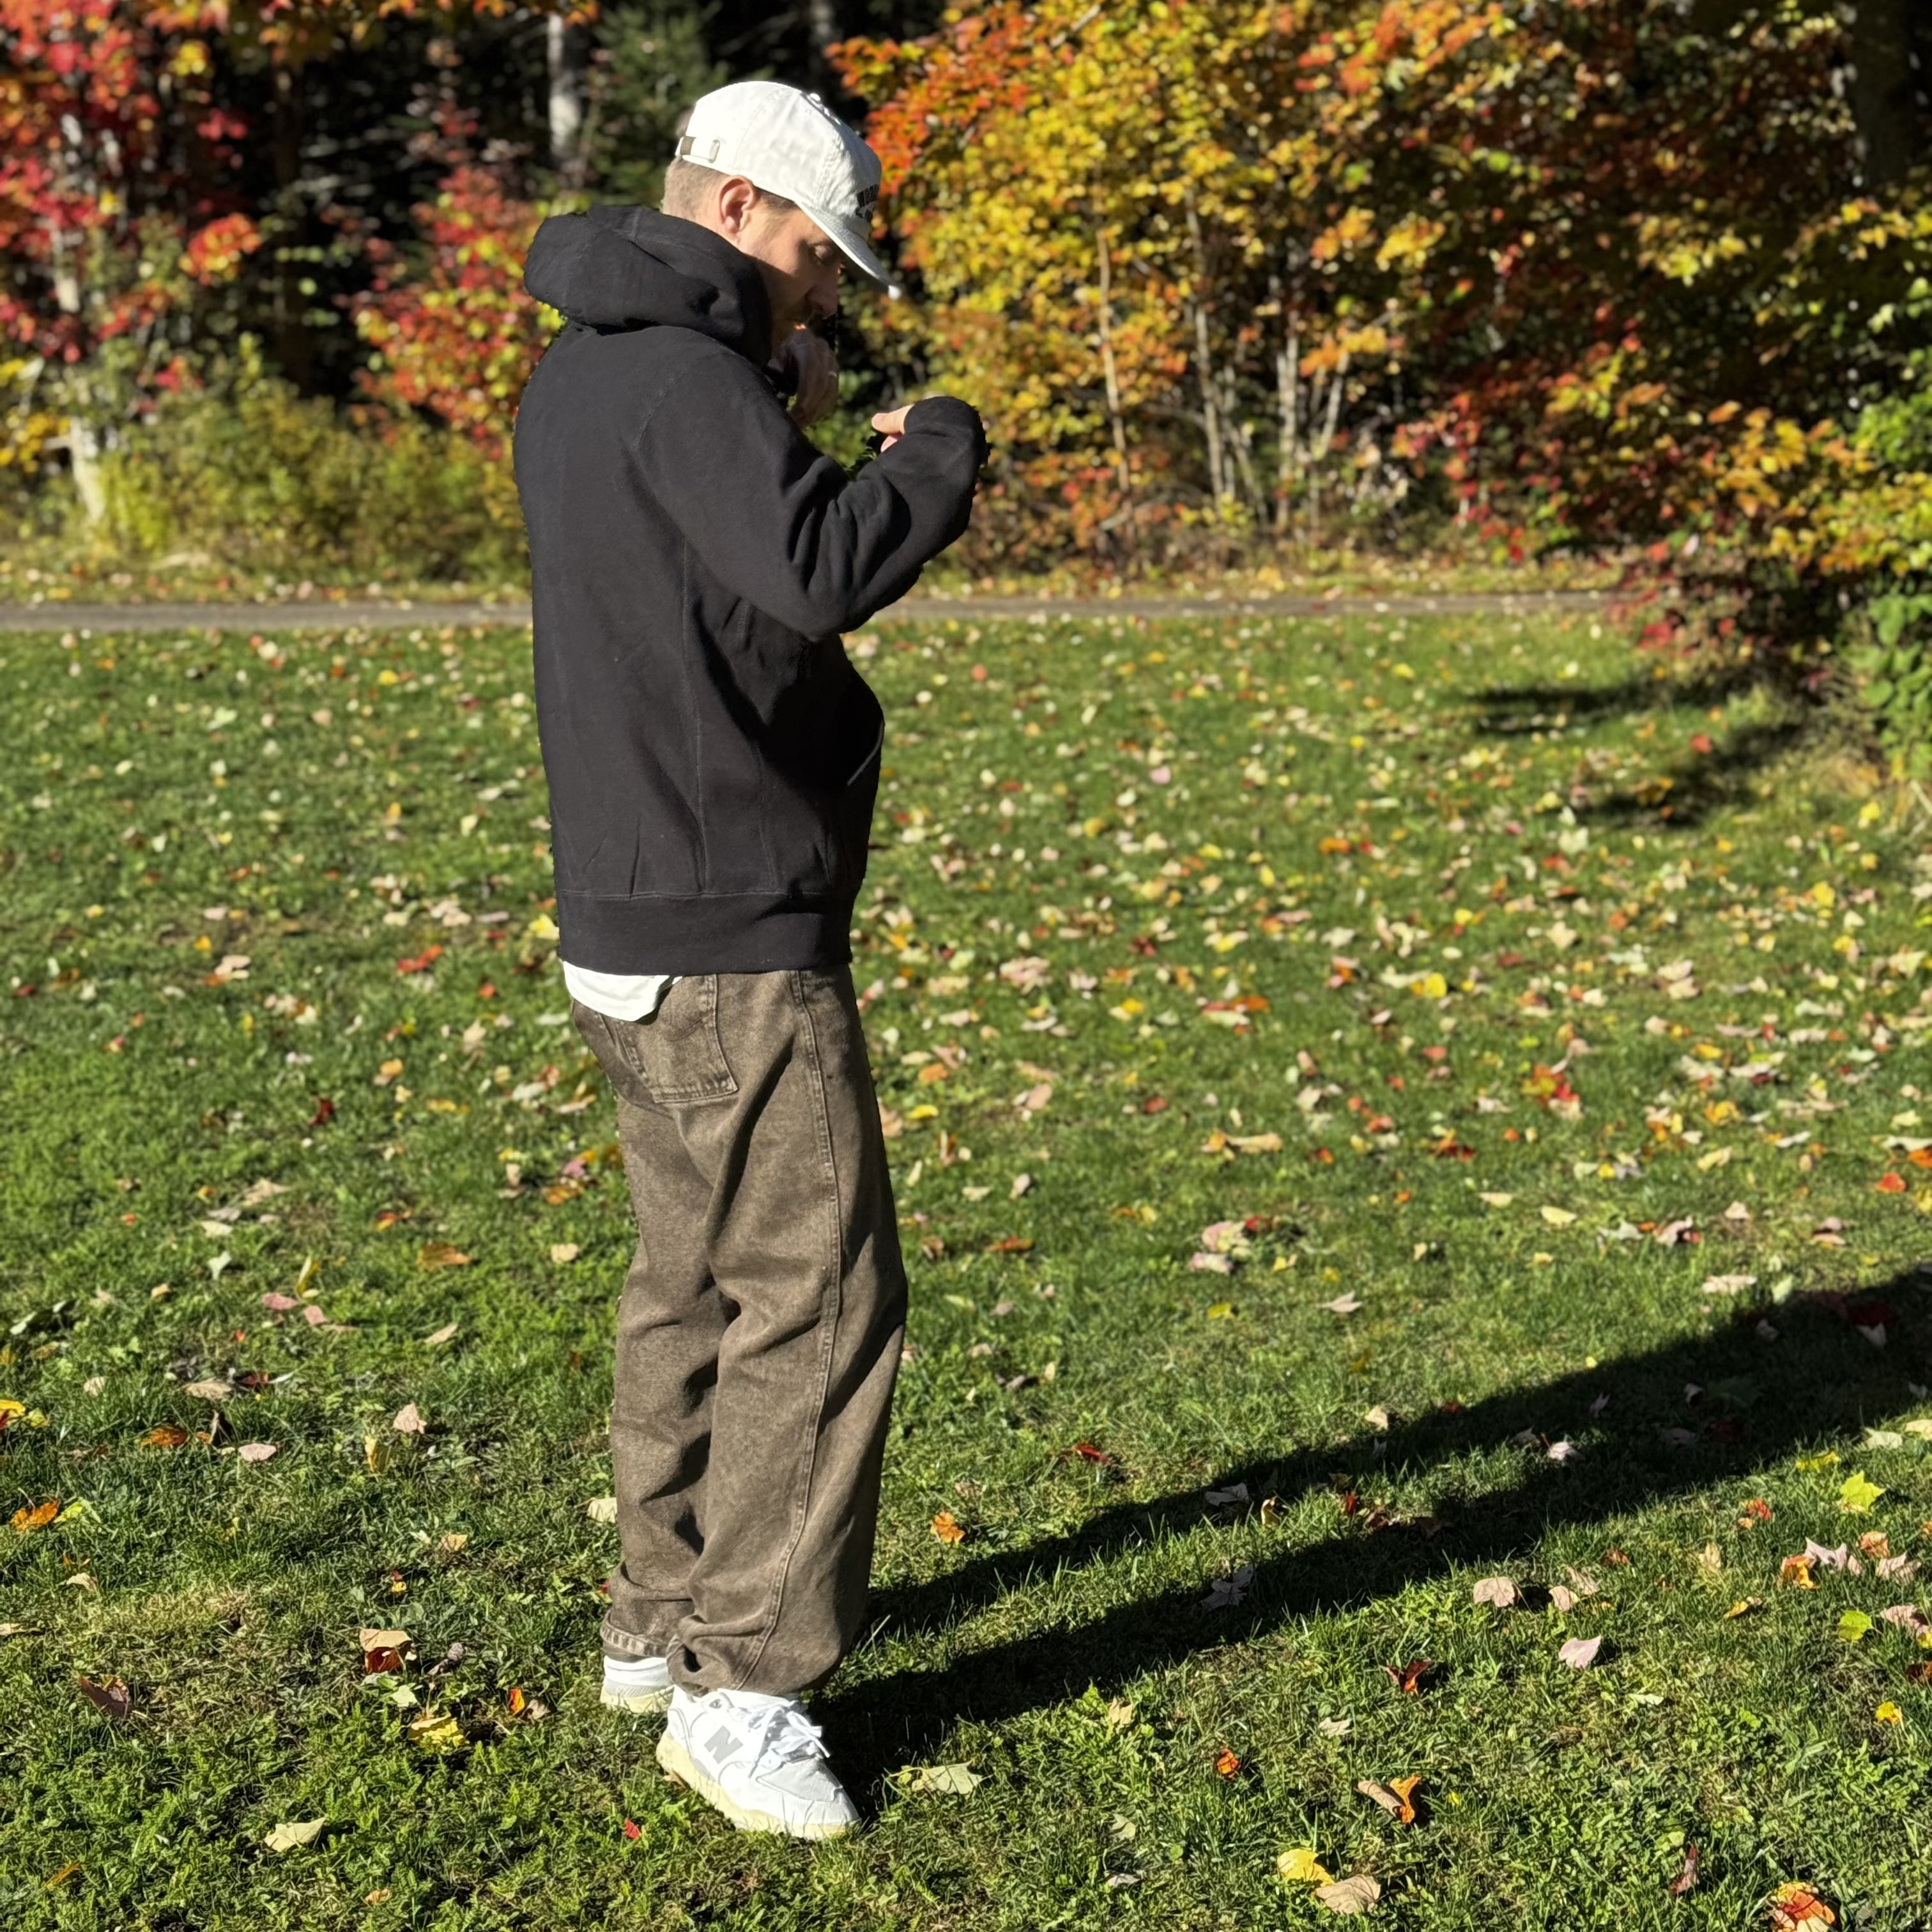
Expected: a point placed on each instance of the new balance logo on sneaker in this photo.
(759, 1760)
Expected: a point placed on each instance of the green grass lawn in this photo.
(1376, 1108)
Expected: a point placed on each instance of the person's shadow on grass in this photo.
(1644, 1442)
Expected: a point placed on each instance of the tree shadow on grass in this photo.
(1762, 1402)
(1686, 791)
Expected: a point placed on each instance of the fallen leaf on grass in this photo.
(1226, 1764)
(1226, 1592)
(1795, 1904)
(1889, 1713)
(441, 1255)
(436, 1731)
(60, 1877)
(209, 1391)
(1351, 1896)
(601, 1509)
(947, 1528)
(1854, 1626)
(951, 1780)
(26, 1521)
(1686, 1874)
(1729, 1284)
(1580, 1652)
(110, 1699)
(408, 1421)
(256, 1452)
(289, 1837)
(563, 1252)
(1397, 1797)
(1408, 1678)
(441, 1336)
(1300, 1866)
(1905, 1617)
(1335, 1727)
(1342, 1304)
(1858, 1493)
(164, 1435)
(1745, 1607)
(384, 1650)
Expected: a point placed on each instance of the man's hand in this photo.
(891, 425)
(808, 360)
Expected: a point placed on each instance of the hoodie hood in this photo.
(635, 268)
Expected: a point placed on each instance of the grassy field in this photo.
(1377, 1109)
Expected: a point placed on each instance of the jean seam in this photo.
(828, 1322)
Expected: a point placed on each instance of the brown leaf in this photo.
(440, 1255)
(1397, 1797)
(26, 1521)
(947, 1528)
(110, 1698)
(1226, 1764)
(164, 1435)
(1408, 1679)
(384, 1650)
(1350, 1897)
(1686, 1876)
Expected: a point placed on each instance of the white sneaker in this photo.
(641, 1684)
(759, 1760)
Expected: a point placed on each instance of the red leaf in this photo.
(110, 1699)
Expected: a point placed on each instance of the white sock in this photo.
(636, 1673)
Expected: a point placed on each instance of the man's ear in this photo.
(737, 198)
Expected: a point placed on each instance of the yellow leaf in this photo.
(437, 1731)
(1889, 1713)
(1300, 1866)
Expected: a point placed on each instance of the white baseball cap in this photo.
(790, 143)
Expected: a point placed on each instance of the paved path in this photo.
(322, 616)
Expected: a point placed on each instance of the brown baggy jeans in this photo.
(759, 1333)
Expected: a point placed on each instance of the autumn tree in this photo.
(1595, 273)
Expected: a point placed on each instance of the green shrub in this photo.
(1893, 666)
(261, 478)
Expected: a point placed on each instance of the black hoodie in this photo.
(712, 755)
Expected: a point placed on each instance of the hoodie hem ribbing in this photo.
(736, 933)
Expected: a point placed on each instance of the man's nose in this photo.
(824, 298)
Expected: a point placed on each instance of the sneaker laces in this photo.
(782, 1731)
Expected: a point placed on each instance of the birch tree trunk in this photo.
(568, 49)
(1110, 375)
(1203, 360)
(1288, 401)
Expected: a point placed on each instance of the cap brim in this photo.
(853, 245)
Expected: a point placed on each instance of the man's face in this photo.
(800, 263)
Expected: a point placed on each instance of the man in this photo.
(713, 758)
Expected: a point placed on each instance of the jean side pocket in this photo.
(604, 1036)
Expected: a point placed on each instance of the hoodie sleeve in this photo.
(781, 524)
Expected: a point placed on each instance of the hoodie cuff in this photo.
(949, 416)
